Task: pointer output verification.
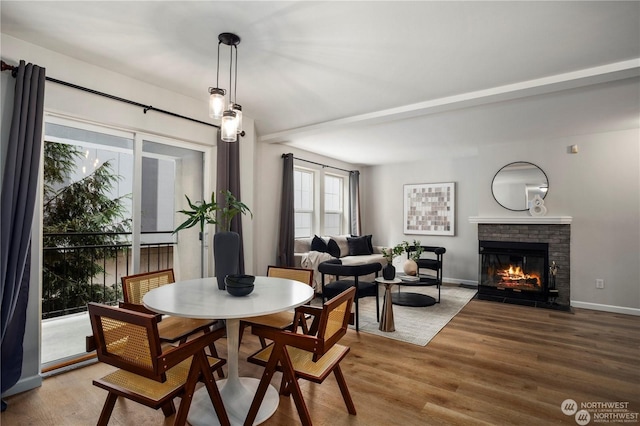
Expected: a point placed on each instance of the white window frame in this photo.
(319, 173)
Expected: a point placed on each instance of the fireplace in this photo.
(503, 233)
(514, 270)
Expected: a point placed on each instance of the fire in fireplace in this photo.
(513, 270)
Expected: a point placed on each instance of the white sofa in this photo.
(310, 259)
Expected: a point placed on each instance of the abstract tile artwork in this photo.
(429, 208)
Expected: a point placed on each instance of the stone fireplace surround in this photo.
(556, 231)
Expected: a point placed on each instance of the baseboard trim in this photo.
(605, 308)
(24, 385)
(459, 281)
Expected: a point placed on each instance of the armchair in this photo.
(363, 288)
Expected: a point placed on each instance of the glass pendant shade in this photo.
(238, 110)
(229, 126)
(216, 102)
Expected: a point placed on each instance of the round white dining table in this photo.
(201, 298)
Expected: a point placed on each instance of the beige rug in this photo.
(416, 325)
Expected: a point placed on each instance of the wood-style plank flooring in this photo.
(493, 364)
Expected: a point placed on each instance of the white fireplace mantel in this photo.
(523, 220)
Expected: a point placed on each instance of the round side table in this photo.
(386, 323)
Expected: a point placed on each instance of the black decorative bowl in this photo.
(239, 285)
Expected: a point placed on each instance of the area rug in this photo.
(416, 325)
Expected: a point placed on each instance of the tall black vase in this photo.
(226, 252)
(389, 272)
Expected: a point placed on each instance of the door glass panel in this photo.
(88, 183)
(168, 174)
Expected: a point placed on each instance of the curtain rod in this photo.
(14, 70)
(324, 166)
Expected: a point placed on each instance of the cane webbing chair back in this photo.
(297, 274)
(281, 320)
(134, 287)
(306, 356)
(146, 374)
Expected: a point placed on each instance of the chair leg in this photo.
(294, 388)
(169, 409)
(200, 368)
(269, 370)
(357, 315)
(107, 409)
(344, 390)
(214, 353)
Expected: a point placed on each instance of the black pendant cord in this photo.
(7, 67)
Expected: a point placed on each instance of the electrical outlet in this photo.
(599, 283)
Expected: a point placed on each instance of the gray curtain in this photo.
(286, 234)
(355, 227)
(228, 179)
(19, 185)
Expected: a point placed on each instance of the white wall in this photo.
(599, 187)
(383, 209)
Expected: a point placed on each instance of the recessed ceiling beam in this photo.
(540, 86)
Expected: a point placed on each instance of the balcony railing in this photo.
(63, 295)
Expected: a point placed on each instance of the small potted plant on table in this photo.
(410, 266)
(389, 253)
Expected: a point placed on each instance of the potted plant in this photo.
(410, 266)
(389, 253)
(226, 243)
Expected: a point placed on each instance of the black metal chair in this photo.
(363, 288)
(434, 265)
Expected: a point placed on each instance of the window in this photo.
(303, 202)
(319, 200)
(333, 205)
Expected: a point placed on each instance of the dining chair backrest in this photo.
(334, 321)
(297, 274)
(134, 287)
(127, 339)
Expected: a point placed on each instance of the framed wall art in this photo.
(429, 208)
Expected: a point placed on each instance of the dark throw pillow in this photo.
(369, 242)
(359, 246)
(333, 248)
(318, 244)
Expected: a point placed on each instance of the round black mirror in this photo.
(516, 184)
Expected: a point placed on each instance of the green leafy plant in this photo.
(232, 206)
(389, 253)
(222, 214)
(202, 213)
(415, 254)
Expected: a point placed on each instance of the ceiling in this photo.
(351, 80)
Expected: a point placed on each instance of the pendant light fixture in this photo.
(230, 113)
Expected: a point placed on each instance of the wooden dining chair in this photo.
(147, 374)
(280, 320)
(171, 329)
(311, 356)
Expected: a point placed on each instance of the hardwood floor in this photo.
(492, 364)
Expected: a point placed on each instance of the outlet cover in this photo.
(599, 283)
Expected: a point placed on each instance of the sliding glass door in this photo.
(109, 210)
